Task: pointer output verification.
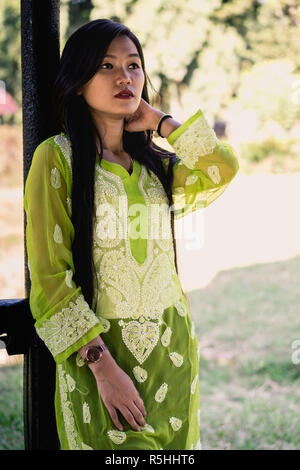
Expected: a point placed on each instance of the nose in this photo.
(124, 76)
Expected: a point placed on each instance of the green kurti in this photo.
(139, 307)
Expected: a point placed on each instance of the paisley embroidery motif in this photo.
(57, 234)
(181, 308)
(161, 393)
(69, 275)
(166, 336)
(191, 179)
(71, 383)
(176, 358)
(147, 427)
(140, 374)
(118, 437)
(214, 174)
(176, 423)
(86, 413)
(55, 179)
(79, 360)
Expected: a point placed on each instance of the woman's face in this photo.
(116, 73)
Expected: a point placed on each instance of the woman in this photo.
(105, 293)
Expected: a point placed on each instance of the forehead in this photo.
(122, 45)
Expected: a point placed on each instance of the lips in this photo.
(125, 93)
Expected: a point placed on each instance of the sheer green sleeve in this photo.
(204, 168)
(63, 319)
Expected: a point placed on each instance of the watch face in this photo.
(93, 354)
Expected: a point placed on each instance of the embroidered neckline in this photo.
(118, 168)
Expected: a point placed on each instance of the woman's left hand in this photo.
(144, 118)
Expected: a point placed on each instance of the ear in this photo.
(79, 91)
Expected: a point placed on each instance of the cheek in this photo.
(141, 81)
(96, 92)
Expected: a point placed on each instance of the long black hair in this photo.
(81, 57)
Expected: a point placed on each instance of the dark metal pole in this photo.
(40, 58)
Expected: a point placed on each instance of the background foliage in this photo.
(237, 60)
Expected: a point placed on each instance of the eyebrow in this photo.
(134, 54)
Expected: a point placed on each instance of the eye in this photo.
(106, 63)
(134, 63)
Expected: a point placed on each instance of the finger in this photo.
(129, 417)
(137, 414)
(140, 404)
(114, 416)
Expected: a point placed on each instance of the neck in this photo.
(111, 131)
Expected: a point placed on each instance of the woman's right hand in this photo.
(118, 392)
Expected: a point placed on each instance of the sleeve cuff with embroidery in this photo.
(204, 168)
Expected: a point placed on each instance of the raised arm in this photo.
(205, 165)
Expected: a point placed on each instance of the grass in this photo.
(11, 408)
(246, 321)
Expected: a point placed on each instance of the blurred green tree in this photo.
(10, 50)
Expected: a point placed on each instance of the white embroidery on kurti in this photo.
(176, 358)
(175, 423)
(69, 206)
(86, 414)
(140, 374)
(118, 437)
(166, 337)
(193, 384)
(147, 427)
(69, 422)
(191, 179)
(71, 383)
(66, 327)
(65, 146)
(69, 275)
(181, 308)
(79, 360)
(214, 174)
(140, 339)
(124, 283)
(55, 179)
(57, 234)
(197, 140)
(86, 447)
(161, 393)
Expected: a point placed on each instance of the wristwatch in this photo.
(93, 354)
